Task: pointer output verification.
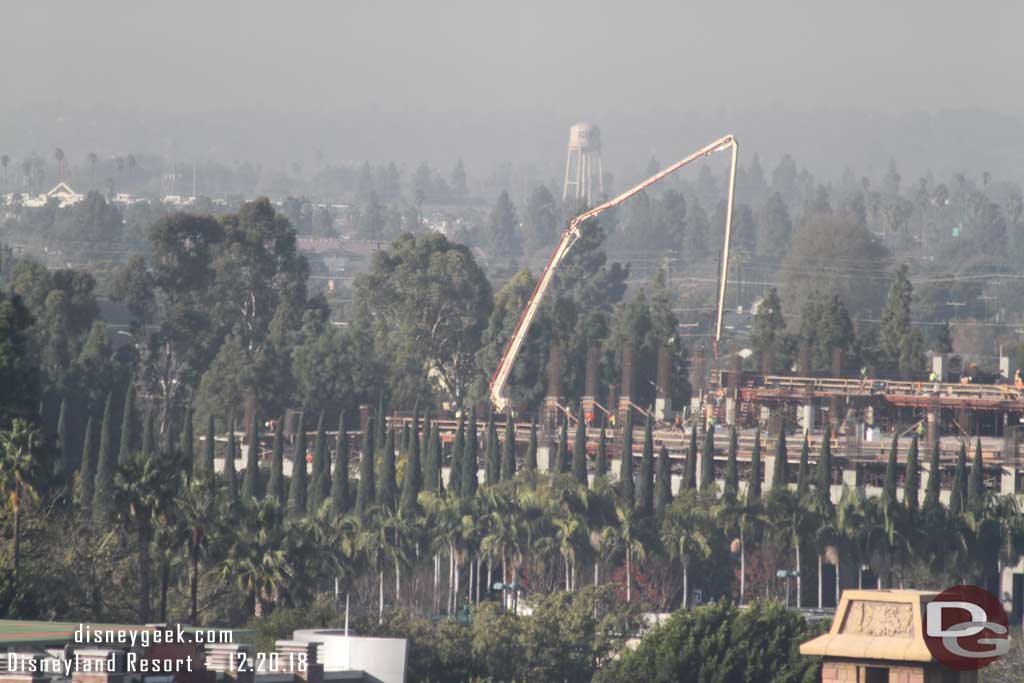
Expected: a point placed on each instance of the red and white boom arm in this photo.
(499, 382)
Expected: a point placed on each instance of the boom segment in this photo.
(499, 381)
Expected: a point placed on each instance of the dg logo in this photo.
(966, 628)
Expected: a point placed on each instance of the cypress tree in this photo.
(803, 474)
(299, 485)
(207, 468)
(780, 468)
(601, 466)
(251, 480)
(956, 496)
(437, 456)
(456, 465)
(690, 468)
(432, 457)
(934, 486)
(339, 477)
(275, 483)
(663, 492)
(754, 485)
(63, 447)
(128, 422)
(382, 425)
(976, 484)
(188, 442)
(732, 475)
(912, 478)
(645, 491)
(470, 462)
(492, 463)
(508, 451)
(387, 488)
(626, 485)
(230, 476)
(824, 479)
(531, 451)
(106, 465)
(86, 471)
(889, 490)
(707, 461)
(315, 494)
(412, 480)
(579, 450)
(406, 443)
(562, 454)
(366, 489)
(148, 437)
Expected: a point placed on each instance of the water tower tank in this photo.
(586, 137)
(583, 170)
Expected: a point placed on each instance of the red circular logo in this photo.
(966, 628)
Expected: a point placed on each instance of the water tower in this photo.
(583, 170)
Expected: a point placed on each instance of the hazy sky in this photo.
(546, 61)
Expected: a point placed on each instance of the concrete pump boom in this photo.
(499, 382)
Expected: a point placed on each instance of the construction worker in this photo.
(920, 429)
(1017, 381)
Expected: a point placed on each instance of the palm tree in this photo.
(686, 533)
(5, 161)
(92, 167)
(200, 518)
(19, 468)
(630, 535)
(853, 528)
(58, 154)
(743, 517)
(793, 523)
(140, 487)
(257, 559)
(443, 520)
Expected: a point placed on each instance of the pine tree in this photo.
(754, 485)
(976, 483)
(320, 474)
(106, 466)
(956, 495)
(626, 485)
(275, 483)
(601, 465)
(470, 461)
(207, 468)
(690, 469)
(645, 490)
(412, 480)
(508, 451)
(889, 489)
(366, 490)
(63, 447)
(251, 480)
(707, 461)
(562, 454)
(803, 474)
(663, 483)
(933, 488)
(456, 465)
(912, 478)
(86, 471)
(148, 438)
(492, 463)
(579, 450)
(339, 477)
(780, 468)
(230, 476)
(824, 478)
(531, 451)
(387, 484)
(188, 442)
(299, 486)
(732, 475)
(128, 425)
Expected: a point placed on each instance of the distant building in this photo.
(61, 192)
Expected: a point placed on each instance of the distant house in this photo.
(62, 192)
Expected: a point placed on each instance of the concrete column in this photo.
(932, 426)
(1008, 480)
(808, 414)
(590, 384)
(730, 411)
(663, 400)
(768, 465)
